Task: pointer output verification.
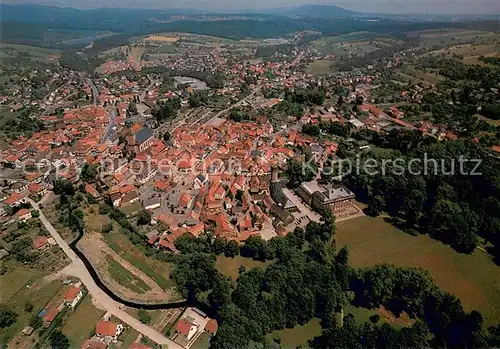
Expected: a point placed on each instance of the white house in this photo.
(186, 328)
(72, 296)
(108, 330)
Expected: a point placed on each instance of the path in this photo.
(78, 269)
(302, 208)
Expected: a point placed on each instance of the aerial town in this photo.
(181, 189)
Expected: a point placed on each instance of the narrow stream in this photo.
(115, 297)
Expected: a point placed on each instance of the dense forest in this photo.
(310, 278)
(451, 200)
(29, 23)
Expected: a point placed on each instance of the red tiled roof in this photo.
(93, 344)
(13, 198)
(106, 328)
(71, 293)
(39, 242)
(50, 314)
(183, 327)
(34, 187)
(22, 212)
(211, 326)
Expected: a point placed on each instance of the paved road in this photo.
(111, 124)
(78, 269)
(95, 92)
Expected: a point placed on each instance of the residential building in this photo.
(186, 328)
(72, 296)
(108, 330)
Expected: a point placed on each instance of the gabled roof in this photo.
(71, 293)
(106, 328)
(183, 327)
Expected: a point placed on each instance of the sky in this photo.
(380, 6)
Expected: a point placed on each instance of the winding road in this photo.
(78, 269)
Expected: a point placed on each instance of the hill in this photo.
(320, 11)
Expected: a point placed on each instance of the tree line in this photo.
(309, 278)
(448, 202)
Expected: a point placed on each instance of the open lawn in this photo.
(362, 315)
(129, 337)
(475, 279)
(14, 280)
(488, 120)
(230, 266)
(166, 48)
(203, 342)
(82, 322)
(39, 293)
(320, 67)
(157, 270)
(297, 336)
(125, 277)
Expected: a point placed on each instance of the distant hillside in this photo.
(320, 11)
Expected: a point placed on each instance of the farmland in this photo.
(38, 54)
(475, 279)
(28, 285)
(320, 67)
(358, 43)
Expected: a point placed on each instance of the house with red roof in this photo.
(23, 214)
(40, 242)
(36, 189)
(186, 328)
(92, 191)
(93, 343)
(211, 326)
(49, 316)
(72, 296)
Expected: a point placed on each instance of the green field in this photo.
(230, 266)
(33, 52)
(166, 48)
(475, 279)
(82, 322)
(15, 279)
(155, 269)
(320, 68)
(26, 286)
(203, 342)
(297, 336)
(129, 337)
(447, 37)
(125, 277)
(357, 42)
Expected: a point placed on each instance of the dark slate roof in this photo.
(143, 135)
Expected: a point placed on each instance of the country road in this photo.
(78, 269)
